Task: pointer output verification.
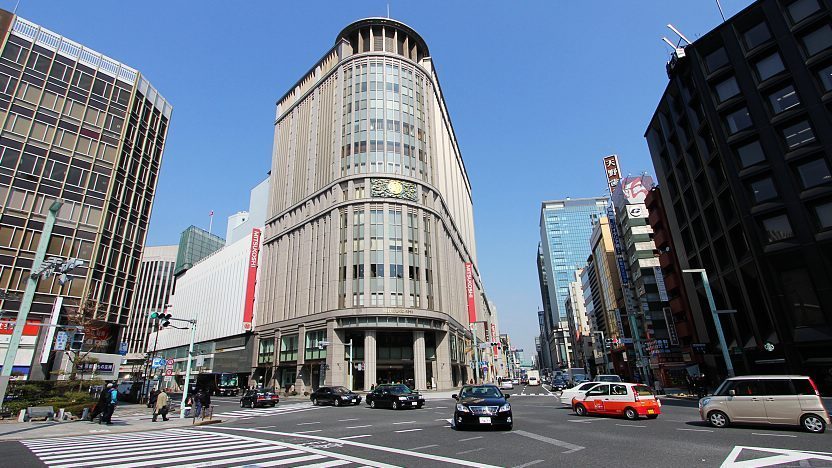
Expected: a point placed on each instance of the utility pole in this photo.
(476, 354)
(350, 373)
(729, 366)
(28, 297)
(192, 323)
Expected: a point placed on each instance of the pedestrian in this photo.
(112, 401)
(197, 402)
(689, 381)
(206, 400)
(151, 401)
(100, 406)
(701, 386)
(160, 406)
(659, 387)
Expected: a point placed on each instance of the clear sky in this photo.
(538, 91)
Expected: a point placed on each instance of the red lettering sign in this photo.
(254, 253)
(30, 329)
(469, 289)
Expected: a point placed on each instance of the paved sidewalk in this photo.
(40, 430)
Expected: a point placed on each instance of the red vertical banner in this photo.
(612, 171)
(469, 290)
(254, 255)
(495, 339)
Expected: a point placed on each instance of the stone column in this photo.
(369, 359)
(304, 372)
(444, 379)
(419, 368)
(336, 373)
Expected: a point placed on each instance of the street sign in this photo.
(170, 362)
(158, 362)
(168, 372)
(60, 341)
(122, 348)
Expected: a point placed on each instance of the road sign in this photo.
(168, 372)
(60, 341)
(170, 362)
(158, 362)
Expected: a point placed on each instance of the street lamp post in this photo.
(192, 324)
(729, 366)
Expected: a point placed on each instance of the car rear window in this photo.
(778, 387)
(803, 387)
(643, 390)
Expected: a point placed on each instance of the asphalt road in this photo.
(545, 434)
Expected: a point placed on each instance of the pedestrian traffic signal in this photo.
(77, 342)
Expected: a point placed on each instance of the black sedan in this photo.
(395, 396)
(559, 384)
(337, 396)
(482, 406)
(259, 397)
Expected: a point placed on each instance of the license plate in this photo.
(413, 403)
(651, 411)
(485, 420)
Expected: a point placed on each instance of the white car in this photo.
(568, 394)
(506, 385)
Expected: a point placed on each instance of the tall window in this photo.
(769, 66)
(396, 258)
(376, 257)
(428, 270)
(289, 348)
(314, 348)
(342, 259)
(358, 257)
(739, 120)
(413, 259)
(265, 352)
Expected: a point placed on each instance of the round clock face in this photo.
(395, 187)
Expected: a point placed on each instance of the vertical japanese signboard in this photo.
(612, 171)
(469, 291)
(254, 255)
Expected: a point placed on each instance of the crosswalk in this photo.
(252, 412)
(182, 447)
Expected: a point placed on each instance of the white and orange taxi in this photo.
(627, 399)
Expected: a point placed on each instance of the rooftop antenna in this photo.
(681, 36)
(14, 12)
(721, 13)
(388, 10)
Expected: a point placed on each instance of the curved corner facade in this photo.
(370, 223)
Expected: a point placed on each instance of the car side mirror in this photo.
(732, 392)
(455, 396)
(507, 395)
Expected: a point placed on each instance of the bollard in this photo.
(85, 414)
(22, 416)
(60, 415)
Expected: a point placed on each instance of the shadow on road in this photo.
(679, 403)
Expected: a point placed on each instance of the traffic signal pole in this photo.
(188, 370)
(28, 297)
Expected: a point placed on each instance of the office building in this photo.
(194, 245)
(565, 229)
(369, 246)
(78, 126)
(581, 338)
(154, 287)
(742, 143)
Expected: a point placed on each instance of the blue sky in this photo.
(538, 91)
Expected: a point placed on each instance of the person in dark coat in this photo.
(100, 405)
(154, 394)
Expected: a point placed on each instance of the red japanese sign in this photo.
(30, 329)
(254, 254)
(612, 171)
(469, 290)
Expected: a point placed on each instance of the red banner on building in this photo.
(254, 255)
(469, 290)
(31, 328)
(612, 171)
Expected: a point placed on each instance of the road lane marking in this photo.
(582, 422)
(773, 435)
(404, 422)
(470, 438)
(424, 447)
(441, 419)
(570, 447)
(408, 430)
(309, 432)
(350, 419)
(533, 462)
(441, 407)
(469, 451)
(695, 430)
(358, 427)
(629, 425)
(380, 448)
(306, 424)
(356, 436)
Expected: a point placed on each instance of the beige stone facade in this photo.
(370, 224)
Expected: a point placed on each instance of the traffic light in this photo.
(77, 341)
(608, 343)
(162, 317)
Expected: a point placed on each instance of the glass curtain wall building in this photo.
(565, 231)
(194, 245)
(370, 224)
(78, 126)
(742, 143)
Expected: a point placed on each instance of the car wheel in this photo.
(314, 402)
(718, 419)
(337, 402)
(273, 405)
(813, 423)
(396, 405)
(580, 410)
(459, 427)
(631, 414)
(373, 404)
(242, 405)
(509, 427)
(418, 406)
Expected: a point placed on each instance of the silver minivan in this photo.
(766, 399)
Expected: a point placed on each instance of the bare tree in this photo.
(84, 319)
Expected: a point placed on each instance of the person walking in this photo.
(160, 407)
(151, 401)
(112, 401)
(100, 406)
(197, 402)
(206, 400)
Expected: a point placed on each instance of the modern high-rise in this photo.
(565, 230)
(153, 289)
(194, 245)
(742, 145)
(369, 245)
(81, 127)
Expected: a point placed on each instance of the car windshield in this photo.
(481, 392)
(587, 386)
(265, 390)
(399, 389)
(340, 390)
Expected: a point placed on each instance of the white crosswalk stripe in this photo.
(290, 408)
(181, 447)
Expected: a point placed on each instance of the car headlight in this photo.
(704, 402)
(402, 398)
(505, 407)
(462, 408)
(346, 397)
